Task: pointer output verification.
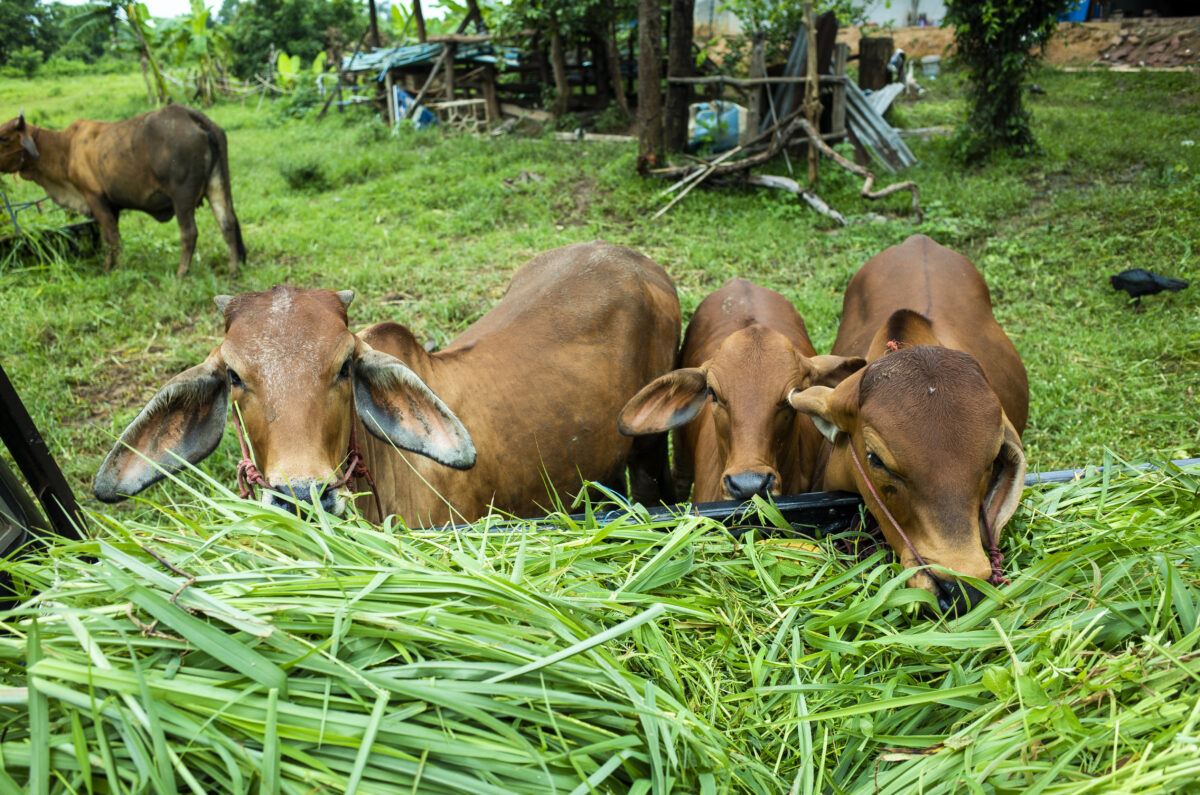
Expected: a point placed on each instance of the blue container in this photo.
(1076, 14)
(720, 125)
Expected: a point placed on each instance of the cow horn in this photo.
(21, 120)
(346, 297)
(222, 301)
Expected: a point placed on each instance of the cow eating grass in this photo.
(929, 432)
(745, 350)
(526, 397)
(163, 163)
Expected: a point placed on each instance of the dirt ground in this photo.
(1153, 42)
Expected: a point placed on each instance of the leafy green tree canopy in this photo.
(26, 23)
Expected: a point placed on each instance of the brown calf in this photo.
(745, 350)
(163, 163)
(935, 418)
(537, 382)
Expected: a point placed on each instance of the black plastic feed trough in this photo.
(813, 514)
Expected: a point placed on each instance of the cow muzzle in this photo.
(744, 485)
(954, 596)
(305, 492)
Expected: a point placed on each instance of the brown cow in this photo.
(745, 350)
(537, 382)
(934, 419)
(162, 163)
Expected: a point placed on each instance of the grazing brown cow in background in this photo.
(537, 382)
(162, 163)
(745, 350)
(935, 418)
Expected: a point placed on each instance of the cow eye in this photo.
(344, 373)
(876, 461)
(235, 380)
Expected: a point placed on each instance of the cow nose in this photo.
(956, 597)
(745, 485)
(301, 491)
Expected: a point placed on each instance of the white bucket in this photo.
(931, 65)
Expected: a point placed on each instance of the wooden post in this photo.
(451, 49)
(650, 123)
(873, 55)
(392, 111)
(420, 17)
(840, 55)
(758, 69)
(679, 64)
(812, 92)
(489, 94)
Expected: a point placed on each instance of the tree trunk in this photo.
(373, 38)
(600, 70)
(679, 64)
(420, 17)
(873, 55)
(650, 122)
(614, 68)
(558, 62)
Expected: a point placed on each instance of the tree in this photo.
(995, 40)
(650, 105)
(26, 23)
(134, 18)
(294, 26)
(192, 41)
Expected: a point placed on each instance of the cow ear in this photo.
(27, 139)
(829, 409)
(182, 423)
(831, 370)
(1007, 482)
(666, 402)
(396, 406)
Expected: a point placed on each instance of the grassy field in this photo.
(426, 232)
(640, 657)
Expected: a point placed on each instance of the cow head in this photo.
(16, 144)
(291, 368)
(746, 384)
(936, 445)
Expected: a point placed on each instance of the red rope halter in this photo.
(995, 556)
(248, 475)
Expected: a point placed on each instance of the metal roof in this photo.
(425, 54)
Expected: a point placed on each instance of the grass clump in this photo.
(228, 645)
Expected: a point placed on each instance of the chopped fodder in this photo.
(231, 647)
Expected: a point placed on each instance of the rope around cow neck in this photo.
(248, 475)
(995, 556)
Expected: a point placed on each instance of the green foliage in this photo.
(779, 22)
(26, 60)
(994, 41)
(297, 27)
(305, 175)
(192, 41)
(26, 25)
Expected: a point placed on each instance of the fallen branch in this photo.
(868, 176)
(792, 186)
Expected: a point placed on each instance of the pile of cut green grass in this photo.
(229, 647)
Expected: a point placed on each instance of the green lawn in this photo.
(641, 657)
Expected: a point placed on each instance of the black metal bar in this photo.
(11, 213)
(820, 511)
(33, 458)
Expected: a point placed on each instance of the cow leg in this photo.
(186, 215)
(650, 479)
(107, 216)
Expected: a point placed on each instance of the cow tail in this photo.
(220, 152)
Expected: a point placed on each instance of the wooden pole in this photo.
(758, 70)
(812, 93)
(841, 54)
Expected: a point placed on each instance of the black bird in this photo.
(1138, 282)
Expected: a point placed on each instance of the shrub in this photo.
(26, 60)
(995, 39)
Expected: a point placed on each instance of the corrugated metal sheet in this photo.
(381, 61)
